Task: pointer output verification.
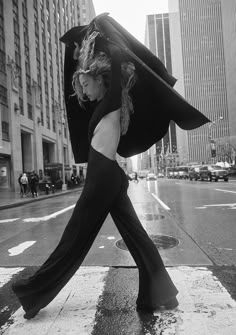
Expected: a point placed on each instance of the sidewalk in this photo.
(10, 199)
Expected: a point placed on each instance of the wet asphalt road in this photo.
(199, 215)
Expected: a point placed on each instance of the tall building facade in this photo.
(86, 11)
(203, 46)
(157, 39)
(34, 131)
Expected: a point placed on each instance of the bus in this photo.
(183, 172)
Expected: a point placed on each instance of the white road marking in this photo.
(111, 237)
(205, 306)
(226, 191)
(101, 247)
(217, 205)
(48, 217)
(7, 273)
(161, 202)
(71, 312)
(8, 220)
(19, 249)
(229, 249)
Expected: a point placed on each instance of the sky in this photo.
(131, 14)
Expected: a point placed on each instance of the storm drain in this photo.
(160, 241)
(151, 217)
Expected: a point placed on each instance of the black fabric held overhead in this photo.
(154, 99)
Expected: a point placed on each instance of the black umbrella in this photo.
(155, 101)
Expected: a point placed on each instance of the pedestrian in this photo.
(24, 183)
(20, 184)
(33, 182)
(102, 87)
(73, 179)
(136, 177)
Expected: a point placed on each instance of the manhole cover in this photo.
(160, 241)
(151, 217)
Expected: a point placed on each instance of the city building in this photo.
(157, 39)
(34, 131)
(203, 49)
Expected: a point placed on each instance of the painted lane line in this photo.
(8, 220)
(226, 191)
(71, 312)
(217, 205)
(7, 273)
(48, 217)
(20, 248)
(161, 202)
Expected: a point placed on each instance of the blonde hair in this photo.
(100, 64)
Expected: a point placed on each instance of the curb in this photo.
(42, 197)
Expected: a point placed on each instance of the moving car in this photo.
(151, 176)
(160, 175)
(194, 172)
(143, 173)
(213, 172)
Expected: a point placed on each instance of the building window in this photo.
(2, 62)
(3, 95)
(21, 106)
(16, 27)
(5, 131)
(30, 112)
(2, 41)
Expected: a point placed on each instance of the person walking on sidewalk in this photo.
(103, 83)
(33, 182)
(136, 180)
(20, 185)
(24, 183)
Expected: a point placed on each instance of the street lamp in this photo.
(211, 141)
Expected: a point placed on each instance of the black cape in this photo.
(154, 99)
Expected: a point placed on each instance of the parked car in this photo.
(194, 172)
(151, 176)
(213, 172)
(160, 175)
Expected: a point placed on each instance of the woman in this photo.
(105, 82)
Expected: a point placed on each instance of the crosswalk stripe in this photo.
(71, 312)
(101, 300)
(7, 273)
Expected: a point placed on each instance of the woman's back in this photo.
(106, 135)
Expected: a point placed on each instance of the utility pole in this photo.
(61, 122)
(212, 144)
